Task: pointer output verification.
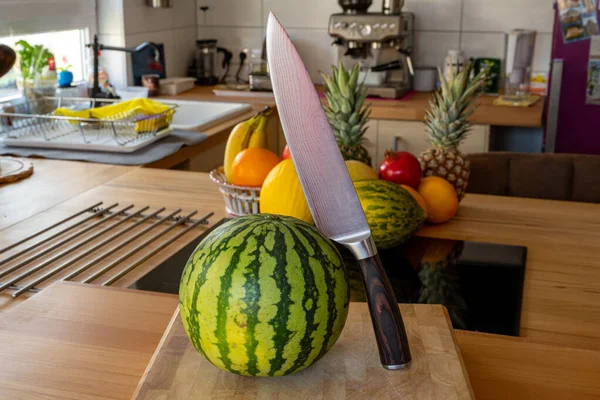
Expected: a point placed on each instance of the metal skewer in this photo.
(62, 221)
(152, 253)
(138, 248)
(120, 246)
(36, 245)
(87, 252)
(62, 254)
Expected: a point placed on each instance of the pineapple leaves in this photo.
(342, 82)
(345, 111)
(446, 120)
(354, 76)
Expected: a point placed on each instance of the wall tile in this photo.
(316, 51)
(477, 45)
(505, 15)
(184, 14)
(301, 14)
(230, 13)
(184, 49)
(435, 15)
(234, 40)
(431, 47)
(140, 18)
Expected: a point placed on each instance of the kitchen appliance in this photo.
(519, 60)
(572, 124)
(329, 191)
(379, 41)
(206, 62)
(481, 284)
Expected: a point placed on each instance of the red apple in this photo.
(286, 153)
(401, 168)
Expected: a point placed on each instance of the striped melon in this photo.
(392, 213)
(264, 295)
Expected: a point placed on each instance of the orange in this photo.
(417, 197)
(251, 166)
(441, 199)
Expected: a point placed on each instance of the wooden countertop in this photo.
(561, 298)
(74, 341)
(561, 303)
(411, 109)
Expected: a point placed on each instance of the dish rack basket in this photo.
(239, 200)
(33, 120)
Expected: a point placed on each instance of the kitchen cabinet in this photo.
(411, 136)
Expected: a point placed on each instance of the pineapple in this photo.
(346, 113)
(447, 126)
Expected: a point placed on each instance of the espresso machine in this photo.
(381, 42)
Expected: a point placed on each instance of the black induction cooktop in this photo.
(481, 284)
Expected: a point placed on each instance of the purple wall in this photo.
(578, 129)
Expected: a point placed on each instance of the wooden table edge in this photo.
(159, 346)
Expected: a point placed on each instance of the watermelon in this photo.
(264, 295)
(392, 213)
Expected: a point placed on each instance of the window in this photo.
(68, 48)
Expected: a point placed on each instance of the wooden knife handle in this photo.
(385, 315)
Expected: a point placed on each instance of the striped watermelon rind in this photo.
(392, 213)
(264, 295)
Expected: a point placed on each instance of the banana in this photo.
(236, 143)
(259, 136)
(250, 133)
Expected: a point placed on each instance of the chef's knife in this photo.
(329, 191)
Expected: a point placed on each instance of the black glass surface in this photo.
(481, 284)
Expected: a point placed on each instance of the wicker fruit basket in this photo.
(239, 200)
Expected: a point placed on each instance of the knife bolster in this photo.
(362, 249)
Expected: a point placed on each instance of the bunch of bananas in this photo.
(245, 135)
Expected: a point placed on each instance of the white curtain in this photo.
(18, 17)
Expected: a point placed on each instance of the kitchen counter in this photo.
(561, 297)
(97, 340)
(410, 109)
(75, 341)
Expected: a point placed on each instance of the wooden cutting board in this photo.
(351, 369)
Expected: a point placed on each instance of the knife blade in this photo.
(329, 190)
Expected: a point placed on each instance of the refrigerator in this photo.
(572, 126)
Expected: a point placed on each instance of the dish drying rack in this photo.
(32, 124)
(83, 246)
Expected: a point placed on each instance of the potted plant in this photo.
(65, 76)
(32, 60)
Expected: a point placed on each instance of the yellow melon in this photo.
(360, 171)
(282, 194)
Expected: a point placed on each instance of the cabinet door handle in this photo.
(396, 140)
